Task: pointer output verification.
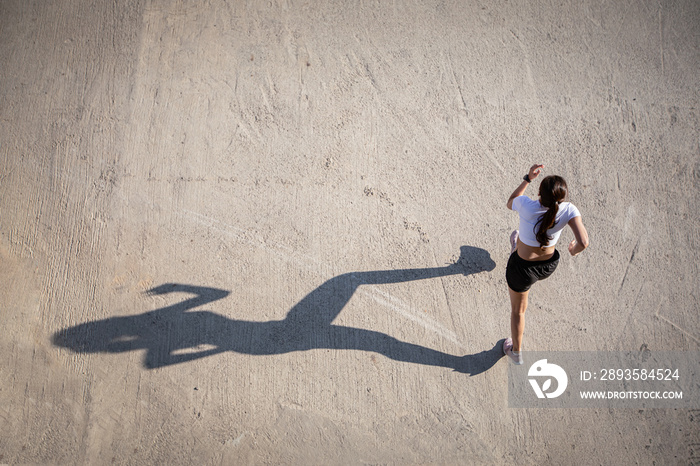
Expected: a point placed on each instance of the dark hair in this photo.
(553, 190)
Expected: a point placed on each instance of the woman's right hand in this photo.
(534, 171)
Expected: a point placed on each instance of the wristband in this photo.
(526, 178)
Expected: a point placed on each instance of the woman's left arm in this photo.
(520, 190)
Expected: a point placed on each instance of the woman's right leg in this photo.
(518, 304)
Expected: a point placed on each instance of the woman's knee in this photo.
(518, 302)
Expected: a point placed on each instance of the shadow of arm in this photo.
(203, 295)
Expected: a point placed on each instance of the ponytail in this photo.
(553, 190)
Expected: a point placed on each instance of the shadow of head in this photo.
(475, 260)
(113, 335)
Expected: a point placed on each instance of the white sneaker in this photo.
(514, 240)
(516, 357)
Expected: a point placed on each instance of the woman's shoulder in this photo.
(528, 207)
(570, 209)
(524, 200)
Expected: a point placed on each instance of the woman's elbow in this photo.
(585, 242)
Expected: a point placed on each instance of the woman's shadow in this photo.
(172, 335)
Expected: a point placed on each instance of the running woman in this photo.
(533, 255)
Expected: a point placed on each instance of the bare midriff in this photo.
(531, 253)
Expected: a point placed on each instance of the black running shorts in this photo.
(521, 274)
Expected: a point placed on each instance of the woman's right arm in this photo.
(581, 242)
(520, 190)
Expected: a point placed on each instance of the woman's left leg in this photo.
(518, 304)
